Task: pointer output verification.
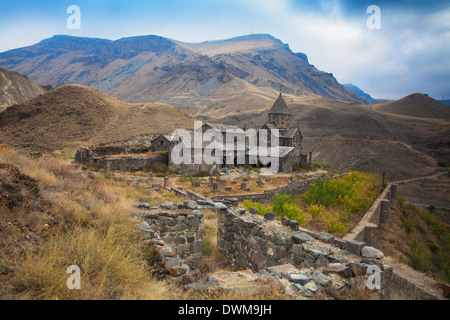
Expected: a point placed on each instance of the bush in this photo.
(442, 163)
(280, 201)
(354, 192)
(417, 261)
(407, 223)
(292, 212)
(260, 208)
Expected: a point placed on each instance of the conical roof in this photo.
(279, 107)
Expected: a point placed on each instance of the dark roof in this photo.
(279, 107)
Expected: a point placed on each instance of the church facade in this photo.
(241, 152)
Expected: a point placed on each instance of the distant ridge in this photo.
(213, 77)
(367, 97)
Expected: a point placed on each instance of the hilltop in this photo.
(16, 88)
(71, 115)
(415, 105)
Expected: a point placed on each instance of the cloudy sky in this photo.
(410, 53)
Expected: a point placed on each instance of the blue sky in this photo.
(411, 52)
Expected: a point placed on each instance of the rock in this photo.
(299, 278)
(371, 252)
(270, 216)
(357, 269)
(191, 277)
(304, 291)
(142, 206)
(147, 234)
(339, 269)
(354, 246)
(220, 206)
(190, 204)
(301, 237)
(285, 221)
(143, 226)
(283, 270)
(297, 250)
(165, 206)
(322, 261)
(199, 215)
(326, 237)
(375, 262)
(253, 210)
(311, 286)
(294, 225)
(242, 210)
(321, 279)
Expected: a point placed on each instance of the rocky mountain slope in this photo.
(16, 88)
(206, 78)
(71, 115)
(367, 97)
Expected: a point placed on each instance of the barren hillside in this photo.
(71, 115)
(16, 88)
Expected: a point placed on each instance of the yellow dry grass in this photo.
(94, 232)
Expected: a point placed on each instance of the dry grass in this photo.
(82, 222)
(236, 188)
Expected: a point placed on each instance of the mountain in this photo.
(71, 115)
(16, 88)
(367, 97)
(446, 102)
(213, 77)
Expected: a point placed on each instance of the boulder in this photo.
(301, 237)
(372, 253)
(326, 237)
(299, 278)
(270, 216)
(354, 246)
(321, 279)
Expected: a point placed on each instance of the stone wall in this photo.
(367, 229)
(254, 242)
(102, 157)
(131, 163)
(180, 228)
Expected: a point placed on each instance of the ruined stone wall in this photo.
(367, 229)
(251, 241)
(179, 229)
(102, 157)
(130, 163)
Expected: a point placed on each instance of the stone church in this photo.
(289, 149)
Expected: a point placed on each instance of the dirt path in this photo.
(421, 178)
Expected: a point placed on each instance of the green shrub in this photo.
(442, 163)
(417, 261)
(317, 165)
(407, 223)
(336, 226)
(316, 210)
(260, 208)
(280, 201)
(354, 192)
(292, 212)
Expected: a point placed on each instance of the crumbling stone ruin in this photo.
(302, 264)
(122, 158)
